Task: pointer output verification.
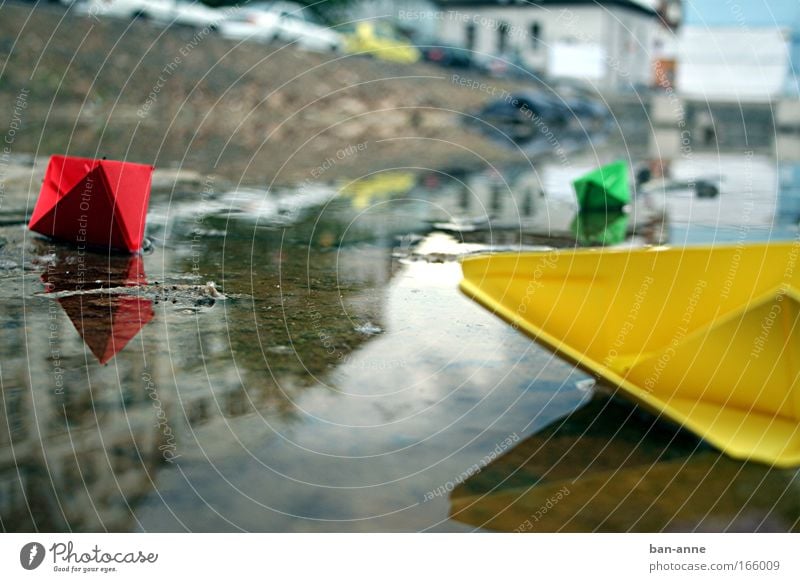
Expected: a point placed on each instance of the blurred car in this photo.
(447, 56)
(588, 114)
(585, 105)
(380, 40)
(525, 109)
(549, 108)
(169, 12)
(527, 114)
(281, 22)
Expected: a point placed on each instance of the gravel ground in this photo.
(248, 112)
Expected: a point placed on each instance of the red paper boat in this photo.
(89, 202)
(105, 321)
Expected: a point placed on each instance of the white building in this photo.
(612, 44)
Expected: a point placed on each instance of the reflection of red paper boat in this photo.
(107, 322)
(91, 202)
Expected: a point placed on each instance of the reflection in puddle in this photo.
(376, 188)
(789, 194)
(522, 208)
(341, 375)
(612, 467)
(81, 442)
(108, 322)
(600, 228)
(88, 288)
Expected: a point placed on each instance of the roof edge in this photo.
(626, 4)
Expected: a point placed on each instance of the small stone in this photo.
(368, 328)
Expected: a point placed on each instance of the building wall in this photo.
(632, 48)
(619, 42)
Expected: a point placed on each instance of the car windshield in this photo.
(383, 30)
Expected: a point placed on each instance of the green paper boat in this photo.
(604, 188)
(600, 228)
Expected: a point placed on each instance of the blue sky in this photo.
(753, 13)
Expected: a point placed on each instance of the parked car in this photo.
(584, 103)
(379, 40)
(168, 12)
(447, 56)
(525, 115)
(589, 114)
(529, 114)
(525, 108)
(281, 22)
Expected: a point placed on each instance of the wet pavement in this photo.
(302, 360)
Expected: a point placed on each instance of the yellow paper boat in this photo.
(707, 336)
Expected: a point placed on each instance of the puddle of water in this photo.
(611, 467)
(333, 378)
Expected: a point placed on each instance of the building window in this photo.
(536, 36)
(470, 34)
(502, 37)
